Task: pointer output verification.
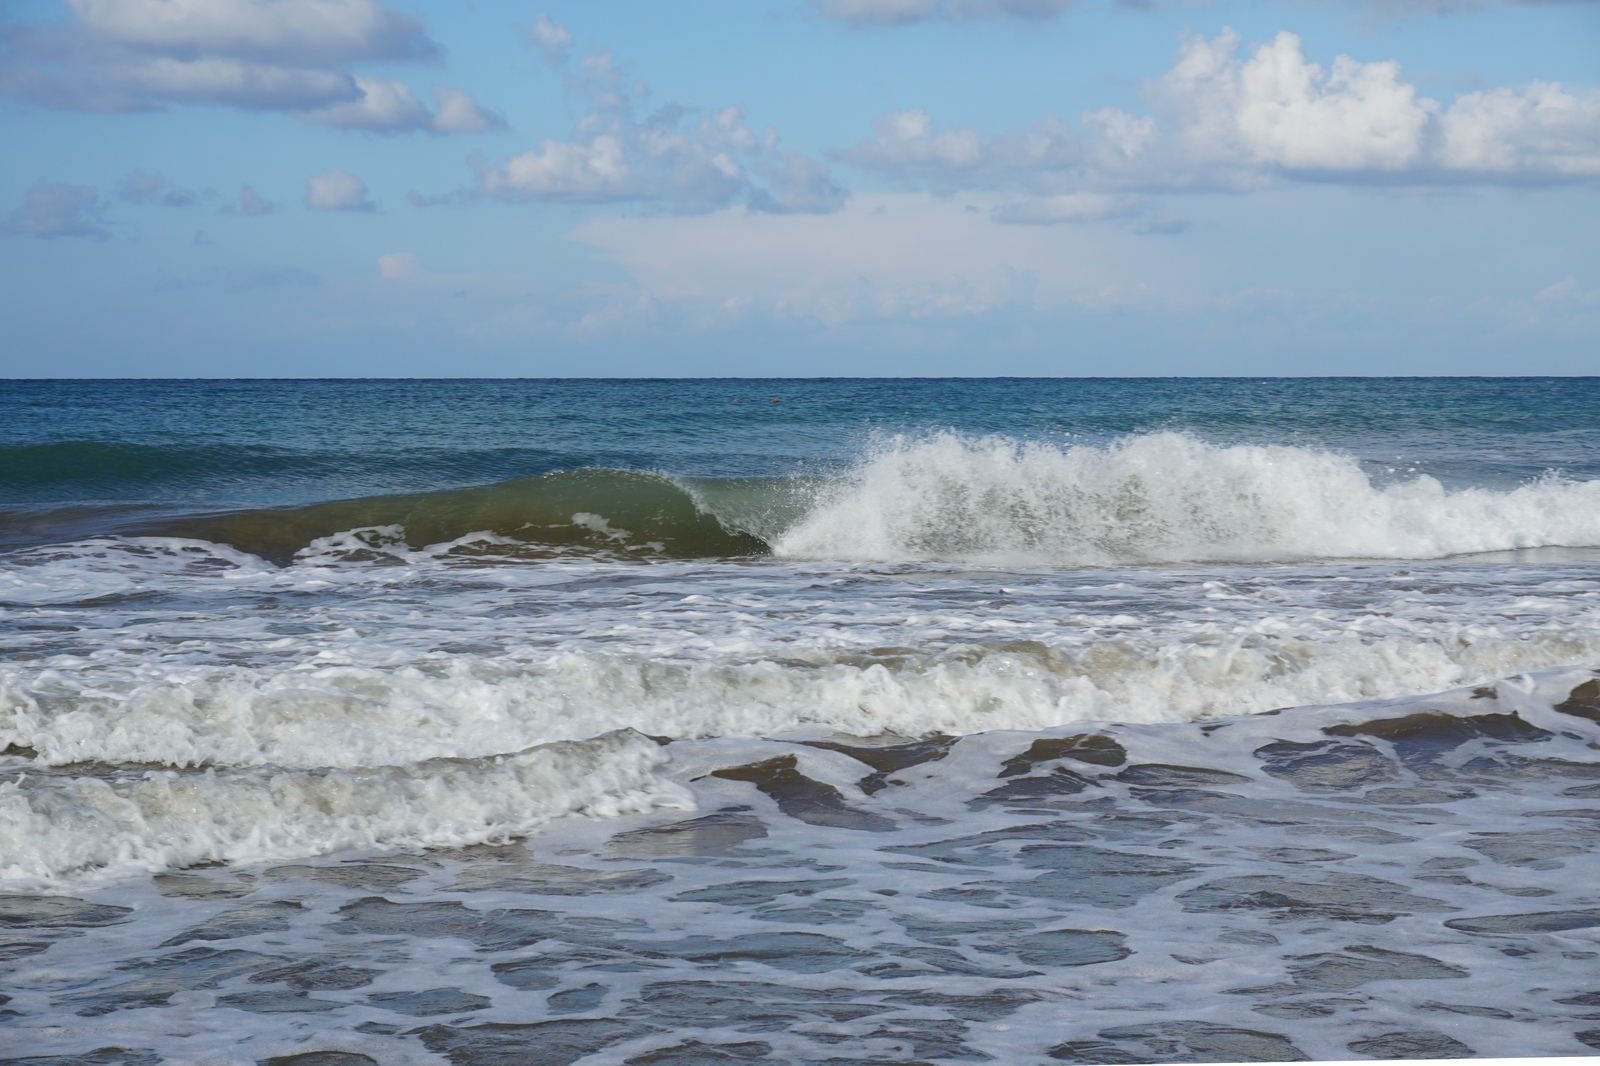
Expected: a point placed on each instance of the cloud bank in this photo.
(261, 55)
(908, 12)
(1229, 121)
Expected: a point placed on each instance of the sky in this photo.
(325, 188)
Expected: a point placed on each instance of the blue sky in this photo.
(799, 187)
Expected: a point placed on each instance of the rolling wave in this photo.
(618, 510)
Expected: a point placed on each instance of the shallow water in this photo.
(1319, 883)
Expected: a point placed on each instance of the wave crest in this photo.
(1164, 498)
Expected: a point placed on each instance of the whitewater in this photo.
(731, 721)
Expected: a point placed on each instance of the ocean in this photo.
(531, 723)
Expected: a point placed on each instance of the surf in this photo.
(1164, 498)
(932, 498)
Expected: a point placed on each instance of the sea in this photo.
(833, 721)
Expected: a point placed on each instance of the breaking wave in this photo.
(1154, 498)
(353, 717)
(1165, 498)
(54, 827)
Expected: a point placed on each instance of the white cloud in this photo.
(153, 190)
(388, 106)
(905, 143)
(553, 40)
(686, 160)
(902, 12)
(907, 12)
(338, 190)
(293, 32)
(56, 209)
(383, 105)
(275, 55)
(562, 171)
(1277, 109)
(1542, 130)
(1443, 7)
(459, 113)
(1229, 121)
(909, 149)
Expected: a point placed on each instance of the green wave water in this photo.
(617, 510)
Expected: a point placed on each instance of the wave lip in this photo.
(1164, 498)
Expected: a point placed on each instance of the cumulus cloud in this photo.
(907, 147)
(388, 106)
(1226, 120)
(1443, 7)
(1541, 131)
(902, 12)
(338, 190)
(907, 12)
(686, 160)
(553, 40)
(56, 209)
(1277, 109)
(153, 190)
(274, 55)
(596, 172)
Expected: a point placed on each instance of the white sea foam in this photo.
(84, 827)
(352, 717)
(1164, 497)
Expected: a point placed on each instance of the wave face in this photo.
(618, 510)
(1164, 498)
